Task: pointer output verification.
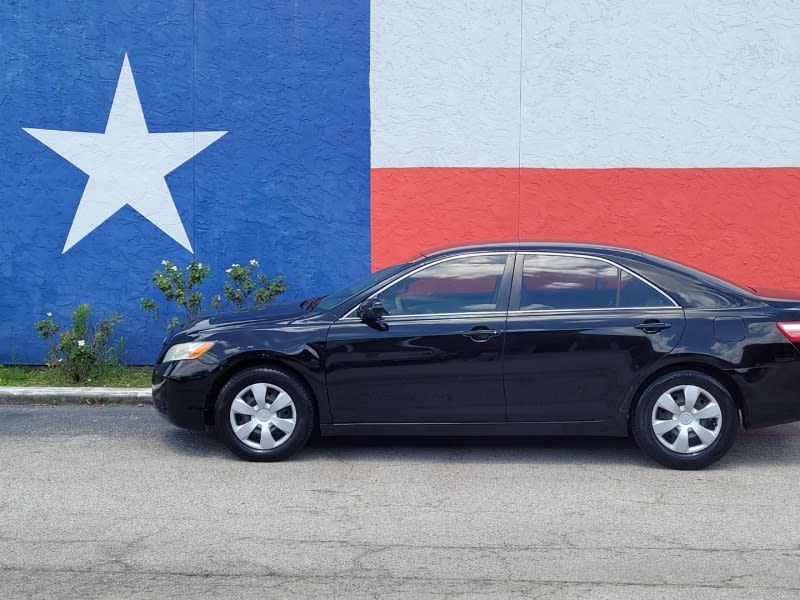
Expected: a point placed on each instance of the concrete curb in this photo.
(31, 396)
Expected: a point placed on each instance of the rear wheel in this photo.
(685, 420)
(264, 414)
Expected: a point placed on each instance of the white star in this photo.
(126, 165)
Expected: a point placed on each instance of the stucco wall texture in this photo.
(673, 127)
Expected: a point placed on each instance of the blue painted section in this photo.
(288, 184)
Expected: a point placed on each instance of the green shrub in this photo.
(84, 350)
(179, 288)
(244, 288)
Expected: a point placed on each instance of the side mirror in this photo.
(371, 310)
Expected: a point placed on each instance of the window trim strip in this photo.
(516, 290)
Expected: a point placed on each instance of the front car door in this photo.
(435, 357)
(581, 330)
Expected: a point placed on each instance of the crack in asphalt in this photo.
(380, 577)
(784, 551)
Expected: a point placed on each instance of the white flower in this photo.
(253, 262)
(235, 265)
(199, 265)
(164, 263)
(173, 267)
(228, 271)
(81, 343)
(49, 314)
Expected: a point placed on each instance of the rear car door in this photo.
(581, 330)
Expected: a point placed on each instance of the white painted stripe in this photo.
(629, 84)
(444, 82)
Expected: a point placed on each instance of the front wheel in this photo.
(264, 414)
(685, 420)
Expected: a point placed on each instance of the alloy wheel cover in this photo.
(263, 416)
(686, 419)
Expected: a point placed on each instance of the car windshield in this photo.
(330, 301)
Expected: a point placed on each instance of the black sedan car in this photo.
(504, 339)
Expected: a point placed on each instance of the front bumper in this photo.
(181, 398)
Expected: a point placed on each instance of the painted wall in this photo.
(323, 138)
(287, 184)
(673, 127)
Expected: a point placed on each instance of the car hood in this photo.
(287, 311)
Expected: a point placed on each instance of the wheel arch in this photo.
(242, 363)
(713, 371)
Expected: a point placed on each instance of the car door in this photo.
(580, 331)
(435, 356)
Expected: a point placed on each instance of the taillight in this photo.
(791, 329)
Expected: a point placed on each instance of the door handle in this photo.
(653, 326)
(481, 334)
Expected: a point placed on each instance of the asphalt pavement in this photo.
(113, 502)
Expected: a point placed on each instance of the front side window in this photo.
(577, 282)
(460, 285)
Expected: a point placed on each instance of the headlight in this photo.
(187, 351)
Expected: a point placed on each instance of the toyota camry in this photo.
(503, 339)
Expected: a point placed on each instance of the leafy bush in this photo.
(180, 289)
(244, 288)
(84, 350)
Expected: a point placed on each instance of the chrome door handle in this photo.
(653, 326)
(481, 334)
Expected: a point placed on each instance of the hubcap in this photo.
(263, 416)
(686, 419)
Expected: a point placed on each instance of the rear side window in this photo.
(635, 292)
(575, 282)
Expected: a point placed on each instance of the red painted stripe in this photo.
(742, 224)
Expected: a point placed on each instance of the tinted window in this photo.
(552, 281)
(635, 292)
(467, 284)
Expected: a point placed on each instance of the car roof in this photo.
(541, 246)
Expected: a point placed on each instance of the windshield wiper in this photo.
(311, 303)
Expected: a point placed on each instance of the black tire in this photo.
(680, 446)
(286, 428)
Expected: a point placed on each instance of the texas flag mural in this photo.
(328, 138)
